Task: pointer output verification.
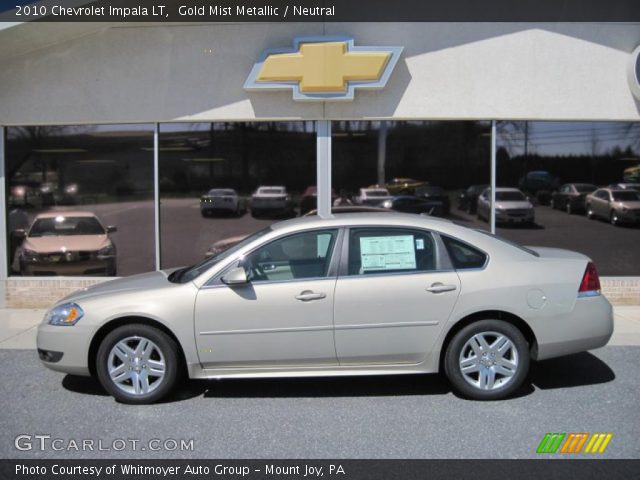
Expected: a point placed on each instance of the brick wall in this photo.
(42, 293)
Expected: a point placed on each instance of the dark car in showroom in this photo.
(468, 199)
(413, 204)
(571, 197)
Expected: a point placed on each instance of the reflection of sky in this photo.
(571, 138)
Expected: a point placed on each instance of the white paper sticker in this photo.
(419, 244)
(387, 253)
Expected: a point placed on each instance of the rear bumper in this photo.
(588, 326)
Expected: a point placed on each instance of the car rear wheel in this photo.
(487, 360)
(590, 214)
(569, 208)
(613, 218)
(138, 364)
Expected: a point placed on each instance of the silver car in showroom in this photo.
(512, 206)
(354, 294)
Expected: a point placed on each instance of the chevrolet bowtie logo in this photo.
(323, 68)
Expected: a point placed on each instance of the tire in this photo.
(552, 204)
(516, 359)
(569, 208)
(163, 351)
(589, 211)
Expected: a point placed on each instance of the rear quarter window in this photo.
(464, 256)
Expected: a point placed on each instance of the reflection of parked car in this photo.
(411, 204)
(310, 199)
(271, 200)
(538, 180)
(68, 243)
(436, 194)
(571, 197)
(617, 206)
(625, 186)
(222, 245)
(512, 206)
(400, 184)
(280, 303)
(372, 196)
(468, 199)
(632, 174)
(221, 200)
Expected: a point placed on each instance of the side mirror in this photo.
(235, 276)
(20, 233)
(112, 229)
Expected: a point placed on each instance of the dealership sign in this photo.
(323, 68)
(634, 72)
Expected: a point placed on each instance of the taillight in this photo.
(590, 284)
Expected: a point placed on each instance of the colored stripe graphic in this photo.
(598, 443)
(574, 442)
(550, 442)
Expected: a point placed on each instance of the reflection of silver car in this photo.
(295, 299)
(512, 206)
(617, 206)
(274, 200)
(373, 196)
(67, 243)
(221, 200)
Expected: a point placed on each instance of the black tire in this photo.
(569, 208)
(454, 350)
(169, 351)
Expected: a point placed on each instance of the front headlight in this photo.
(387, 204)
(105, 252)
(65, 314)
(30, 255)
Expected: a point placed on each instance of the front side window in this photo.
(390, 250)
(295, 257)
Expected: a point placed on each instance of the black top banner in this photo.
(320, 11)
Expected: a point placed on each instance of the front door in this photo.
(393, 298)
(282, 317)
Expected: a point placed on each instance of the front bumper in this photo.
(589, 325)
(70, 347)
(509, 217)
(630, 216)
(85, 267)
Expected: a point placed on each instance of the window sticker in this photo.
(387, 253)
(419, 244)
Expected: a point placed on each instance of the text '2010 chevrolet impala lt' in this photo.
(355, 294)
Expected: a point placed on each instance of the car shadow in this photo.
(577, 370)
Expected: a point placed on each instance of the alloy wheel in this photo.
(488, 360)
(136, 365)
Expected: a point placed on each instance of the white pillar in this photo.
(493, 176)
(156, 192)
(3, 224)
(323, 163)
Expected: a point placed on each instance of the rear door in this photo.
(393, 296)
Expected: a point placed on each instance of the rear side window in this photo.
(463, 255)
(390, 250)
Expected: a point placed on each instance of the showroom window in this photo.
(430, 167)
(557, 167)
(79, 200)
(220, 182)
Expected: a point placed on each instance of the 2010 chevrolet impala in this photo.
(356, 294)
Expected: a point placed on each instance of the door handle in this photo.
(440, 288)
(308, 295)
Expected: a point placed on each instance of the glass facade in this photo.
(220, 182)
(80, 198)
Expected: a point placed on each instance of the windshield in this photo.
(187, 274)
(510, 197)
(218, 192)
(62, 226)
(376, 193)
(627, 196)
(585, 188)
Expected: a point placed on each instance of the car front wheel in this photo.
(487, 360)
(138, 364)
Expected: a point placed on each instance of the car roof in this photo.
(70, 213)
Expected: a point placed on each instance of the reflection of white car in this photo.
(273, 199)
(221, 200)
(512, 206)
(372, 196)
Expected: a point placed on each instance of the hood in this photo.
(66, 243)
(511, 205)
(144, 281)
